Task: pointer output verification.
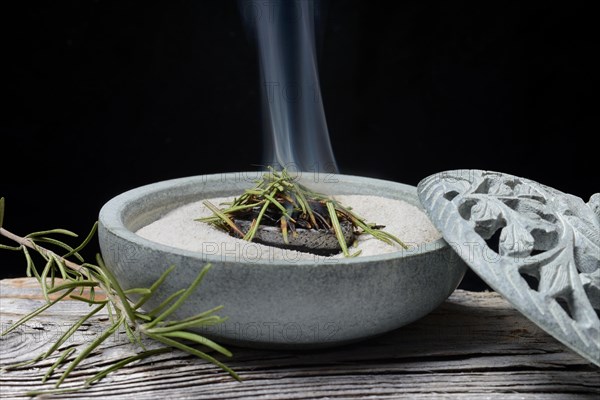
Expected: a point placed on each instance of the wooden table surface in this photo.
(475, 345)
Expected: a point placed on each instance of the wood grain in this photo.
(475, 345)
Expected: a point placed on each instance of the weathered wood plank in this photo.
(473, 346)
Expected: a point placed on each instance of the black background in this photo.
(101, 97)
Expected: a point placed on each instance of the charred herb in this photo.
(279, 200)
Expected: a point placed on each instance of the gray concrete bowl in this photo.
(279, 303)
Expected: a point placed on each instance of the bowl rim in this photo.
(111, 219)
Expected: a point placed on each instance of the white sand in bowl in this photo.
(179, 229)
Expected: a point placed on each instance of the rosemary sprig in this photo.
(290, 205)
(69, 276)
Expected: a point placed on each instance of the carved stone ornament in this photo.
(536, 246)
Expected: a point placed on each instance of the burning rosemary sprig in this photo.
(69, 276)
(278, 200)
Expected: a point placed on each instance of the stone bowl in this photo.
(278, 304)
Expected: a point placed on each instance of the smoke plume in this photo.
(295, 128)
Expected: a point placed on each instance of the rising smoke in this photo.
(295, 128)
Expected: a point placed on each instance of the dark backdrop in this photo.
(101, 97)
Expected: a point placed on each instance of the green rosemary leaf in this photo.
(224, 217)
(305, 206)
(116, 366)
(58, 243)
(51, 232)
(205, 321)
(209, 220)
(73, 285)
(52, 277)
(88, 350)
(138, 338)
(174, 343)
(85, 242)
(154, 286)
(255, 192)
(252, 231)
(142, 316)
(197, 316)
(110, 312)
(58, 362)
(229, 210)
(96, 270)
(394, 238)
(82, 288)
(130, 335)
(181, 298)
(22, 364)
(14, 248)
(49, 392)
(47, 269)
(61, 266)
(165, 302)
(242, 207)
(284, 231)
(71, 331)
(36, 312)
(381, 235)
(88, 300)
(193, 337)
(138, 291)
(356, 254)
(95, 273)
(115, 285)
(31, 269)
(276, 204)
(337, 228)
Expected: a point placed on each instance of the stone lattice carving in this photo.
(535, 245)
